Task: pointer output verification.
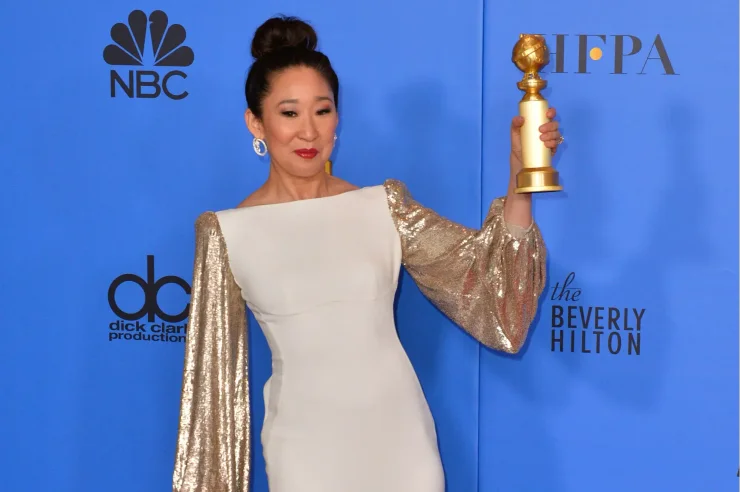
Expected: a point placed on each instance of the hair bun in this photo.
(283, 32)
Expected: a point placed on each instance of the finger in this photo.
(550, 137)
(549, 127)
(551, 113)
(517, 121)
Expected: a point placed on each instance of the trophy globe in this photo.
(530, 54)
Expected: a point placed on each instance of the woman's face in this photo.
(299, 121)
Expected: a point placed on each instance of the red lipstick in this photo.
(307, 153)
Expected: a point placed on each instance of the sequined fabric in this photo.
(213, 445)
(488, 281)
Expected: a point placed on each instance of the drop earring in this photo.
(259, 146)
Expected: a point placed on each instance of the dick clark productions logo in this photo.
(130, 326)
(132, 43)
(592, 329)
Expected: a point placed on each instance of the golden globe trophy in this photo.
(530, 54)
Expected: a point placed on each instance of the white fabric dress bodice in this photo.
(344, 408)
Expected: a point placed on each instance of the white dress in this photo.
(344, 411)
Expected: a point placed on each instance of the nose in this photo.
(309, 132)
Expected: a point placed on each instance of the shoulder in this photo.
(398, 194)
(395, 187)
(207, 224)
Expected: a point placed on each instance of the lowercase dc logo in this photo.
(148, 41)
(129, 326)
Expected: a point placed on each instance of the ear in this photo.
(254, 124)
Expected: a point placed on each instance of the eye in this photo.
(289, 114)
(324, 111)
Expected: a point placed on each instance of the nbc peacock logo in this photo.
(163, 47)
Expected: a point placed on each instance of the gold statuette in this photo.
(530, 54)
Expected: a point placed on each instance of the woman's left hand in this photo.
(549, 134)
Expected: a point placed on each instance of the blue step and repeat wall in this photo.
(629, 380)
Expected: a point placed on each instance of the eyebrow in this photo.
(295, 101)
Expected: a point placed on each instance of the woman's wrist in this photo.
(518, 206)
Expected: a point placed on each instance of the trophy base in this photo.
(537, 180)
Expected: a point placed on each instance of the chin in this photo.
(308, 168)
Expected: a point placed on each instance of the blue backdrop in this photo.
(630, 378)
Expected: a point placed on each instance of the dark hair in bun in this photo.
(281, 43)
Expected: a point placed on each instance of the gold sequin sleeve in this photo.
(213, 443)
(488, 280)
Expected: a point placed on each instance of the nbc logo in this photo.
(129, 48)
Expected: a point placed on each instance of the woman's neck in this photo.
(284, 187)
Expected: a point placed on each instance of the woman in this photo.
(317, 260)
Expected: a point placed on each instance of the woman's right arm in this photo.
(213, 443)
